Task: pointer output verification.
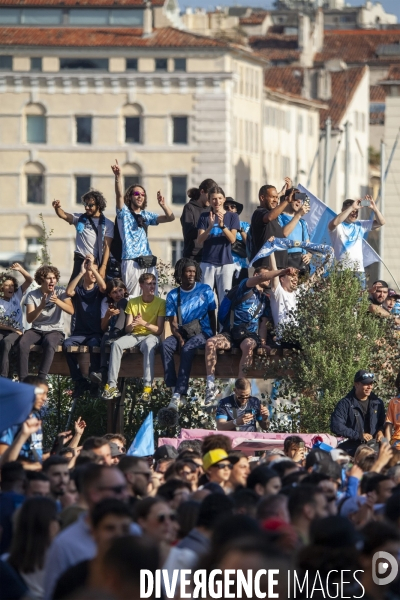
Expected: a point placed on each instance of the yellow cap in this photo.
(213, 457)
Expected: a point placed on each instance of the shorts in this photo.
(252, 336)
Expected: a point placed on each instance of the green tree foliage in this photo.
(93, 409)
(338, 336)
(44, 257)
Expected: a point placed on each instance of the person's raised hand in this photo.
(80, 426)
(385, 453)
(160, 199)
(306, 259)
(56, 204)
(44, 300)
(116, 169)
(211, 220)
(220, 217)
(112, 312)
(264, 412)
(305, 209)
(356, 204)
(291, 271)
(54, 298)
(65, 436)
(31, 425)
(299, 455)
(288, 183)
(16, 267)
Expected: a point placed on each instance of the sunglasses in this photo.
(224, 466)
(89, 205)
(367, 376)
(139, 194)
(163, 518)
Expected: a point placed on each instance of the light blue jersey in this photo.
(299, 233)
(134, 238)
(347, 240)
(195, 304)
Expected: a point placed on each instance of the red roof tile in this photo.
(166, 37)
(377, 93)
(256, 18)
(343, 85)
(359, 46)
(276, 47)
(394, 73)
(79, 3)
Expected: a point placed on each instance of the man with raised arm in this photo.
(347, 233)
(133, 222)
(264, 222)
(87, 292)
(94, 232)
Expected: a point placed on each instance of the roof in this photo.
(377, 93)
(166, 37)
(276, 47)
(343, 85)
(394, 73)
(361, 46)
(256, 18)
(79, 3)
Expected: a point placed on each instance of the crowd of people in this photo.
(82, 520)
(112, 296)
(83, 525)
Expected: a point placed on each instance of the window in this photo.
(300, 124)
(287, 121)
(132, 130)
(87, 16)
(126, 17)
(132, 180)
(310, 126)
(180, 64)
(131, 64)
(9, 16)
(161, 64)
(180, 134)
(35, 189)
(84, 130)
(84, 63)
(33, 244)
(36, 63)
(176, 251)
(35, 129)
(41, 16)
(82, 185)
(6, 63)
(179, 187)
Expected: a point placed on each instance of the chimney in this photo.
(147, 19)
(324, 85)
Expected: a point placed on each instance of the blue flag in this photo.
(318, 220)
(143, 444)
(284, 243)
(16, 402)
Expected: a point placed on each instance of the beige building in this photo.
(171, 107)
(390, 242)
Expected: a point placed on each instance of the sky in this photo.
(391, 6)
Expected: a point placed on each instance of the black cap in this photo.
(230, 200)
(364, 377)
(381, 282)
(165, 451)
(393, 294)
(115, 451)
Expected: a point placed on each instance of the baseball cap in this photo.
(364, 377)
(115, 451)
(165, 451)
(381, 282)
(213, 457)
(393, 294)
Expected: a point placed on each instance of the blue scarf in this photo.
(81, 224)
(283, 244)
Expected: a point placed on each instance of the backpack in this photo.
(227, 307)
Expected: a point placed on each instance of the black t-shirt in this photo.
(261, 232)
(364, 406)
(87, 305)
(71, 580)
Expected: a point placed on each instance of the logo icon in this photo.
(382, 567)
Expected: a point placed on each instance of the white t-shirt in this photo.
(12, 310)
(347, 242)
(86, 241)
(282, 302)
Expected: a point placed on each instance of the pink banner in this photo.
(249, 442)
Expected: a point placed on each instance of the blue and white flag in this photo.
(284, 244)
(16, 402)
(143, 444)
(318, 219)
